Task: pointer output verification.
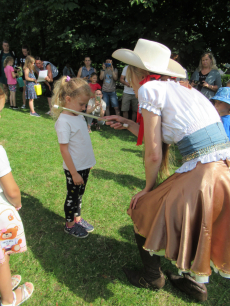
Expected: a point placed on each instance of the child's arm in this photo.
(77, 179)
(14, 75)
(27, 76)
(11, 190)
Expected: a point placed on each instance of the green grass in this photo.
(67, 271)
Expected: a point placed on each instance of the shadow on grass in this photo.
(108, 133)
(86, 266)
(122, 179)
(138, 153)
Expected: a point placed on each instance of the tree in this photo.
(67, 30)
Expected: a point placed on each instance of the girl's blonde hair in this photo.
(164, 168)
(212, 58)
(29, 62)
(73, 87)
(7, 60)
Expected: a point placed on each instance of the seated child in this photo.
(96, 106)
(94, 85)
(222, 105)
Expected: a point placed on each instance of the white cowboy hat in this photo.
(151, 56)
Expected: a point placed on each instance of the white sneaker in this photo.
(23, 106)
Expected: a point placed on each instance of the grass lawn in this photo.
(64, 270)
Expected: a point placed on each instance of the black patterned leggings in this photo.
(74, 195)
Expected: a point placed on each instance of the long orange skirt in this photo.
(188, 218)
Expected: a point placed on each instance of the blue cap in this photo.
(223, 94)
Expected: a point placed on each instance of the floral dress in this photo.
(30, 91)
(12, 236)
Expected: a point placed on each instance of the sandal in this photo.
(26, 292)
(15, 280)
(14, 301)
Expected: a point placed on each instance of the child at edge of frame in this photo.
(76, 149)
(222, 105)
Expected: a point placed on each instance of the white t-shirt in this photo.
(97, 109)
(4, 164)
(183, 111)
(73, 130)
(127, 89)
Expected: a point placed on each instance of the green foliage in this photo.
(63, 30)
(225, 78)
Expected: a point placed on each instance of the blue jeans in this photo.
(110, 96)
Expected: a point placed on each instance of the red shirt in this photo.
(94, 87)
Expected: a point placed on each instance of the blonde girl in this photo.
(11, 80)
(76, 149)
(12, 237)
(30, 82)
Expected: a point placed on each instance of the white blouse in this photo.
(183, 111)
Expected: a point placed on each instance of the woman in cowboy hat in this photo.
(186, 218)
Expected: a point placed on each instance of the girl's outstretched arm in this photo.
(117, 122)
(11, 190)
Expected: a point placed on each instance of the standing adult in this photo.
(51, 77)
(85, 71)
(68, 71)
(186, 218)
(128, 97)
(21, 61)
(109, 75)
(207, 76)
(3, 55)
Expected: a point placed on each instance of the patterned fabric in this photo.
(12, 88)
(12, 236)
(30, 91)
(223, 94)
(74, 195)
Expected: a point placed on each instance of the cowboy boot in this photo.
(151, 276)
(188, 285)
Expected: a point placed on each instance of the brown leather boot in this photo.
(151, 276)
(189, 286)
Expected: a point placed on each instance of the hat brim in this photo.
(132, 58)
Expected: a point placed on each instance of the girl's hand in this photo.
(135, 198)
(77, 179)
(35, 81)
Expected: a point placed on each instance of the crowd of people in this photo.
(206, 78)
(185, 218)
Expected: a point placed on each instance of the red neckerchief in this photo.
(149, 77)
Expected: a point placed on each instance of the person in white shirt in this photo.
(96, 106)
(185, 218)
(76, 149)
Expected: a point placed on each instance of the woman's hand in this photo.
(135, 198)
(205, 84)
(116, 122)
(77, 179)
(103, 66)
